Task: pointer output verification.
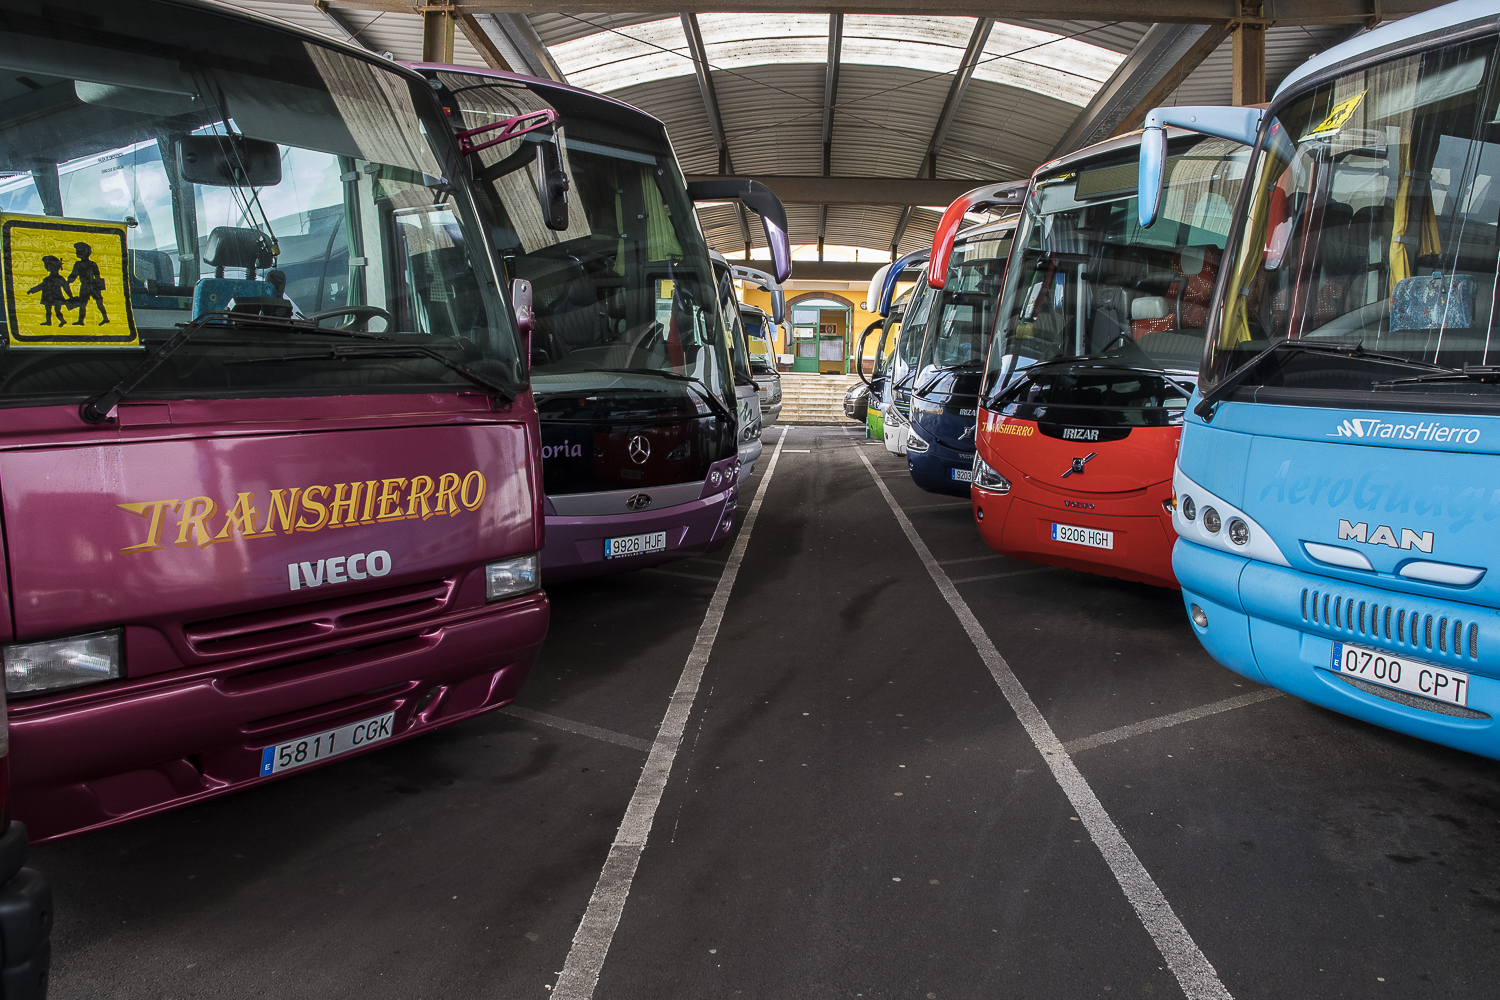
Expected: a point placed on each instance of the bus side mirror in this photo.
(228, 161)
(763, 202)
(552, 185)
(1222, 122)
(520, 301)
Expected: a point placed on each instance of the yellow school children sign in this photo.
(65, 283)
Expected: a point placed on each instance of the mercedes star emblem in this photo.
(1078, 463)
(639, 501)
(640, 449)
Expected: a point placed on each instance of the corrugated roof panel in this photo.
(554, 29)
(398, 33)
(1286, 49)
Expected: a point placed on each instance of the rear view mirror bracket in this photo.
(228, 161)
(763, 202)
(1238, 124)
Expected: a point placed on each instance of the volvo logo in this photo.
(639, 501)
(640, 449)
(1078, 463)
(1078, 504)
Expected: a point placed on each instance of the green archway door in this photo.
(821, 336)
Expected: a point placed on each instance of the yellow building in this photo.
(824, 325)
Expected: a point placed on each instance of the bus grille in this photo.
(1391, 622)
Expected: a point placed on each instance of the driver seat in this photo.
(230, 246)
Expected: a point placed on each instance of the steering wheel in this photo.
(359, 316)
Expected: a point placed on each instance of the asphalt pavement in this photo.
(861, 803)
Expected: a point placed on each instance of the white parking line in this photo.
(685, 576)
(1168, 721)
(799, 451)
(969, 559)
(1195, 974)
(581, 728)
(1001, 576)
(580, 973)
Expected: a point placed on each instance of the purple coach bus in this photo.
(630, 359)
(268, 458)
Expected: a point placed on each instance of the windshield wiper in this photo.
(1469, 373)
(340, 353)
(707, 394)
(1205, 407)
(95, 409)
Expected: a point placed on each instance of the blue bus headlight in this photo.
(34, 667)
(916, 444)
(510, 577)
(986, 478)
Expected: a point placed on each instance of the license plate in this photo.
(1092, 537)
(1412, 676)
(635, 545)
(329, 743)
(963, 475)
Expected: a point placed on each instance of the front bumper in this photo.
(1256, 629)
(25, 921)
(575, 545)
(115, 752)
(933, 469)
(1019, 524)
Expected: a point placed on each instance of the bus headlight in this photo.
(1211, 520)
(916, 444)
(1189, 509)
(510, 577)
(1239, 531)
(34, 667)
(986, 478)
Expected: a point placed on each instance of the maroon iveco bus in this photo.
(268, 457)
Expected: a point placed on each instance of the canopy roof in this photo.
(929, 98)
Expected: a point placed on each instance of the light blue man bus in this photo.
(1338, 484)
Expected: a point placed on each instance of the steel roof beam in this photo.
(704, 73)
(484, 43)
(1147, 11)
(830, 95)
(342, 26)
(1158, 64)
(901, 224)
(801, 190)
(961, 77)
(519, 43)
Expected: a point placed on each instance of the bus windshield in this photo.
(734, 327)
(966, 303)
(912, 326)
(291, 202)
(1373, 221)
(626, 299)
(1090, 282)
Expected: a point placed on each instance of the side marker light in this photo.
(1199, 618)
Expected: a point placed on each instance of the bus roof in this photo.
(1452, 17)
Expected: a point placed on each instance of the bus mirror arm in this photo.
(520, 301)
(1235, 124)
(763, 202)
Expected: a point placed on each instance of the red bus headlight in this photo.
(986, 478)
(33, 667)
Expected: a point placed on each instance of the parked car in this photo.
(856, 400)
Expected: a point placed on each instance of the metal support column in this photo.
(1249, 85)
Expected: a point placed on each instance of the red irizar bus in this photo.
(1097, 340)
(268, 457)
